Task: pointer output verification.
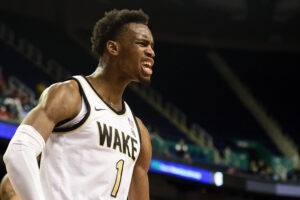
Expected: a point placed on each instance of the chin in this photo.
(145, 80)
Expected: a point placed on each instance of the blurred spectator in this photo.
(158, 143)
(269, 172)
(3, 85)
(262, 167)
(26, 105)
(3, 112)
(14, 107)
(253, 167)
(14, 103)
(231, 170)
(227, 155)
(181, 150)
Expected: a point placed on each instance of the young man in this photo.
(92, 145)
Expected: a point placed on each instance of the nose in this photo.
(150, 52)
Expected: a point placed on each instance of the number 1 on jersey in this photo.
(119, 167)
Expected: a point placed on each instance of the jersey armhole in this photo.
(138, 128)
(82, 121)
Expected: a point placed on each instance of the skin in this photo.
(139, 188)
(6, 190)
(120, 64)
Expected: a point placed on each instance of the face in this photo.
(136, 52)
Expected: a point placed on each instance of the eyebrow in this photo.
(147, 41)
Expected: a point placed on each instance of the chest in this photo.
(107, 134)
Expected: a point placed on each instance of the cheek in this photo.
(134, 58)
(131, 60)
(130, 65)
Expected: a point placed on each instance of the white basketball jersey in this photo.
(94, 158)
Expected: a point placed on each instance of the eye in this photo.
(143, 44)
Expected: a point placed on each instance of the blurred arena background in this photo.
(223, 106)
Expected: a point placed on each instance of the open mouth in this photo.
(147, 67)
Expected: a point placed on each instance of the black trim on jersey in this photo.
(63, 122)
(138, 128)
(73, 127)
(69, 119)
(121, 112)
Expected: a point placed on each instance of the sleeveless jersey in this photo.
(94, 158)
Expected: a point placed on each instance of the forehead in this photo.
(139, 31)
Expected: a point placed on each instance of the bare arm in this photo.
(7, 192)
(60, 101)
(139, 188)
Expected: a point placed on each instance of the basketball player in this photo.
(6, 190)
(93, 147)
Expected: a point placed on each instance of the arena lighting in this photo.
(218, 179)
(182, 171)
(7, 131)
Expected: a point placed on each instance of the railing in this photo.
(284, 144)
(174, 115)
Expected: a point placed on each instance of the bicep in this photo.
(59, 102)
(40, 120)
(145, 155)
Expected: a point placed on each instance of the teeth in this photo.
(148, 64)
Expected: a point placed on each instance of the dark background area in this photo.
(259, 40)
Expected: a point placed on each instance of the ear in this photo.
(112, 47)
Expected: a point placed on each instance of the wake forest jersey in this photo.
(91, 157)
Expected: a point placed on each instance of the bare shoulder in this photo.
(143, 129)
(61, 91)
(58, 102)
(139, 121)
(61, 100)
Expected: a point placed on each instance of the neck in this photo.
(109, 84)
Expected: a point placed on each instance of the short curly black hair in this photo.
(110, 25)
